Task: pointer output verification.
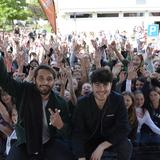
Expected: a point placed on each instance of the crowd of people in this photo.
(81, 96)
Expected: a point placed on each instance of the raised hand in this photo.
(122, 76)
(4, 113)
(132, 73)
(45, 47)
(113, 46)
(76, 47)
(94, 44)
(116, 69)
(63, 76)
(20, 59)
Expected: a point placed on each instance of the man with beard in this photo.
(100, 125)
(43, 121)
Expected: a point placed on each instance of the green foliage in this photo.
(36, 11)
(13, 9)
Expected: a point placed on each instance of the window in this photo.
(101, 15)
(77, 15)
(133, 14)
(154, 14)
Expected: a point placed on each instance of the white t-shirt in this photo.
(8, 143)
(145, 119)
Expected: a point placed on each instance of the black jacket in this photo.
(29, 107)
(90, 124)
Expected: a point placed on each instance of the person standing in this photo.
(43, 121)
(100, 122)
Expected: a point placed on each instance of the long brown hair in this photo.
(143, 107)
(155, 89)
(131, 110)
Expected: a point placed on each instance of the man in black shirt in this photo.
(100, 122)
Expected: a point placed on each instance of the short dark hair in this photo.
(34, 60)
(101, 75)
(46, 67)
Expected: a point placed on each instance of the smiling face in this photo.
(6, 98)
(101, 91)
(139, 85)
(136, 61)
(128, 101)
(154, 97)
(139, 99)
(86, 89)
(101, 80)
(44, 81)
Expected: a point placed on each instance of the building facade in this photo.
(95, 15)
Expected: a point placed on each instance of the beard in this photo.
(44, 90)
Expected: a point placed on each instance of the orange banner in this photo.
(48, 7)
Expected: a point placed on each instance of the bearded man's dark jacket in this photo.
(29, 107)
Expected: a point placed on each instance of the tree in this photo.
(13, 9)
(36, 11)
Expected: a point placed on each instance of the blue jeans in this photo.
(150, 138)
(147, 138)
(138, 138)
